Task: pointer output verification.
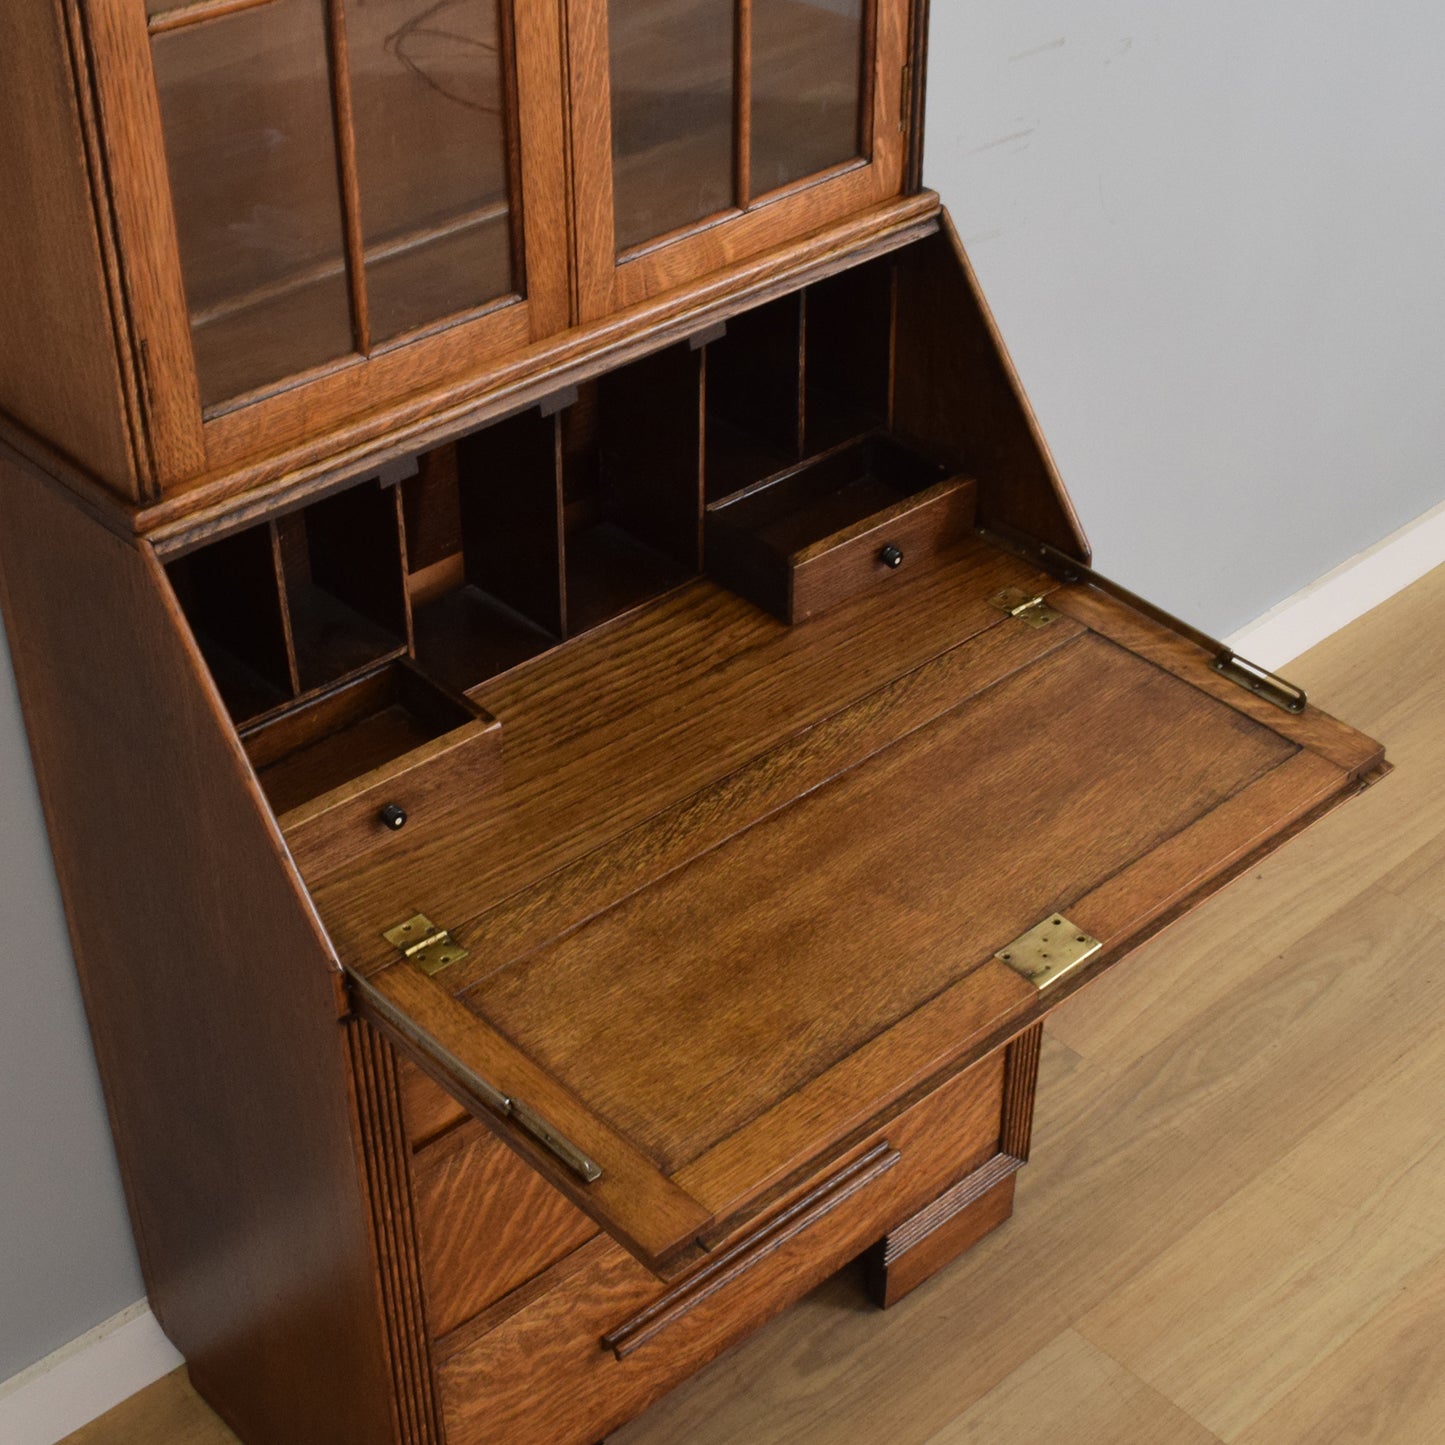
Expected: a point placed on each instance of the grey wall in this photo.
(1213, 237)
(66, 1258)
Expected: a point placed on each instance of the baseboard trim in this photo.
(84, 1379)
(1351, 590)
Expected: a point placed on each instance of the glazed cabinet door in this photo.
(326, 203)
(707, 131)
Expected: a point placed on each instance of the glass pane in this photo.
(246, 104)
(807, 88)
(431, 156)
(672, 113)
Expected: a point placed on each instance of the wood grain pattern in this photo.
(914, 1250)
(902, 848)
(60, 372)
(138, 187)
(419, 395)
(955, 383)
(482, 1368)
(632, 1199)
(1334, 741)
(732, 1264)
(383, 1158)
(154, 817)
(531, 917)
(1072, 1391)
(906, 1258)
(1213, 1051)
(487, 1223)
(596, 709)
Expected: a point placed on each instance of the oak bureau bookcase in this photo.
(579, 736)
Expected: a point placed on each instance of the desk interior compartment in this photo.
(631, 485)
(754, 397)
(341, 560)
(484, 535)
(830, 528)
(231, 593)
(389, 739)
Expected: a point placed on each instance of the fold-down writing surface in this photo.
(689, 1010)
(729, 1029)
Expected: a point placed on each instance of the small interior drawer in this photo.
(597, 1338)
(390, 740)
(838, 526)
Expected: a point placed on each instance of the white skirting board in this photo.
(84, 1379)
(1351, 590)
(90, 1375)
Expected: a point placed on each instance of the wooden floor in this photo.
(1234, 1225)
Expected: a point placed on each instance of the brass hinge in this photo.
(1017, 603)
(429, 947)
(1049, 950)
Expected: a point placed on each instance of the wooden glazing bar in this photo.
(516, 191)
(184, 15)
(743, 105)
(867, 79)
(350, 183)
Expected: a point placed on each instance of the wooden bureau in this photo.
(580, 739)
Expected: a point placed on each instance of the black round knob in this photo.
(392, 817)
(890, 556)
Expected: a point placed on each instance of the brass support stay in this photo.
(1223, 659)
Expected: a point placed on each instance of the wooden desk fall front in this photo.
(578, 735)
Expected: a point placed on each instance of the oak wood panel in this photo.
(1337, 742)
(383, 1158)
(956, 385)
(599, 880)
(595, 710)
(212, 1000)
(880, 890)
(631, 1198)
(427, 1107)
(60, 372)
(956, 1222)
(918, 1247)
(487, 1222)
(732, 1264)
(485, 1370)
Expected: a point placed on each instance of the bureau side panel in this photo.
(206, 980)
(59, 370)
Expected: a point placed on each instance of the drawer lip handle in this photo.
(650, 1322)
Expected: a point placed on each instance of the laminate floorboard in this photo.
(1233, 1228)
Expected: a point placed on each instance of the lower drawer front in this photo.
(591, 1344)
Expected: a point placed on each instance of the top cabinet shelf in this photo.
(308, 211)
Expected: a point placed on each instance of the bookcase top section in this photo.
(277, 242)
